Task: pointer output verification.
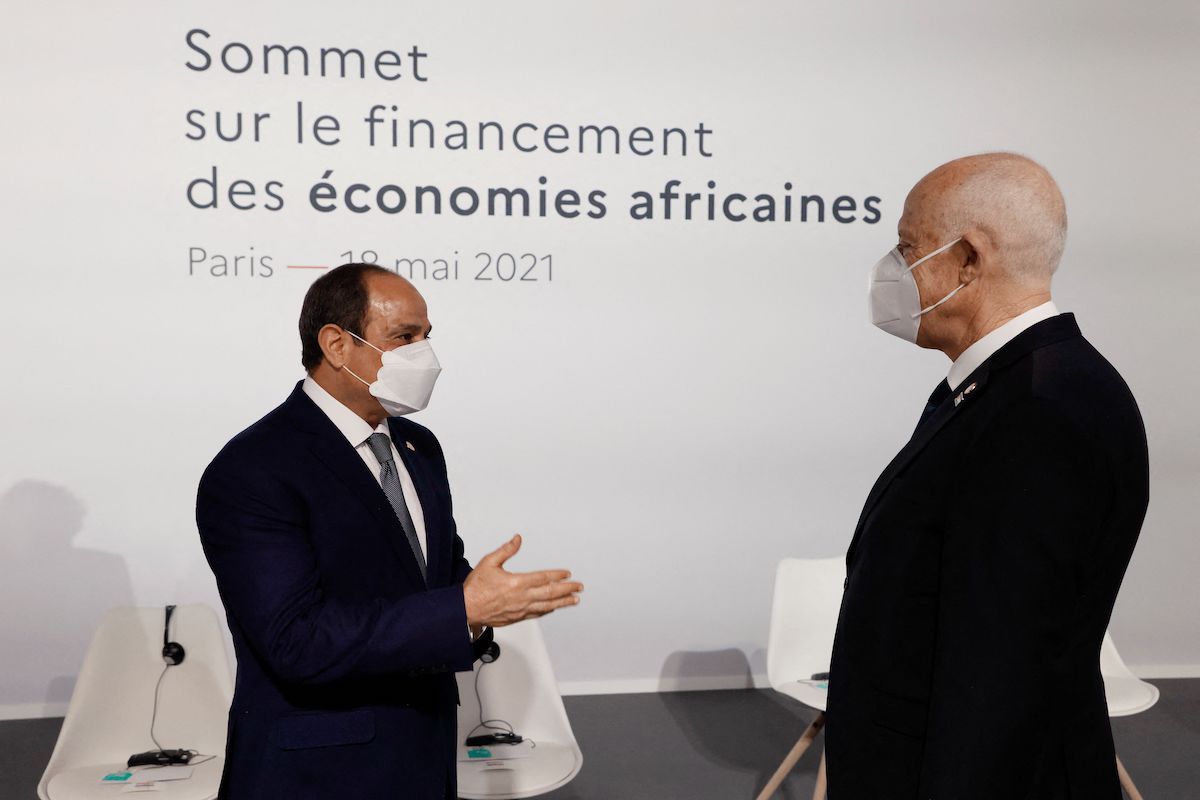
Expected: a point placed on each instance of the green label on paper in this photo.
(479, 752)
(117, 777)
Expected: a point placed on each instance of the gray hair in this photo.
(1015, 201)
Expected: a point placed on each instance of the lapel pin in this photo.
(409, 445)
(963, 394)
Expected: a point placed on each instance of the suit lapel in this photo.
(415, 463)
(1047, 332)
(330, 447)
(947, 411)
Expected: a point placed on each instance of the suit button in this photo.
(845, 584)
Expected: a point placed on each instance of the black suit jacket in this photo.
(980, 581)
(346, 658)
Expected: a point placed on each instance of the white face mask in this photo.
(405, 381)
(895, 303)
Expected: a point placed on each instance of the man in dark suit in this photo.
(329, 528)
(989, 553)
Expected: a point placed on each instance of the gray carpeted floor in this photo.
(723, 746)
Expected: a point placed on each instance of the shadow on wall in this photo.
(706, 724)
(707, 669)
(199, 586)
(53, 593)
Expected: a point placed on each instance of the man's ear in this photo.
(978, 247)
(334, 342)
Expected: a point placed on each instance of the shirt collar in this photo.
(353, 427)
(979, 352)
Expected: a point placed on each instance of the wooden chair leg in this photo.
(792, 757)
(819, 790)
(1127, 782)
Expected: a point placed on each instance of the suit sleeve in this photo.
(254, 533)
(460, 567)
(1028, 497)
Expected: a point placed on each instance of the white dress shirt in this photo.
(977, 353)
(357, 431)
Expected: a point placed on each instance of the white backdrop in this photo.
(684, 403)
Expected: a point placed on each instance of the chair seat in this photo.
(83, 783)
(550, 766)
(1128, 695)
(806, 692)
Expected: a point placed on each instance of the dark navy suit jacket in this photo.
(346, 658)
(980, 582)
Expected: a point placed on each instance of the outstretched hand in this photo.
(496, 597)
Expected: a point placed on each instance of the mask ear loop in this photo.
(360, 380)
(915, 264)
(921, 261)
(368, 344)
(925, 311)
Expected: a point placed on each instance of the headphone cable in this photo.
(489, 724)
(154, 713)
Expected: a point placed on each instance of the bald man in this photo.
(329, 527)
(987, 559)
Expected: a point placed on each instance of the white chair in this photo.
(108, 718)
(519, 688)
(1127, 694)
(803, 621)
(804, 611)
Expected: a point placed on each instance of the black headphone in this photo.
(172, 652)
(490, 653)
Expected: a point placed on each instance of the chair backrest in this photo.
(108, 718)
(520, 688)
(1111, 663)
(1125, 692)
(804, 611)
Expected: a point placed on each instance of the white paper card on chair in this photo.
(496, 752)
(147, 774)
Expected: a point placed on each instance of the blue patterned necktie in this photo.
(381, 446)
(936, 398)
